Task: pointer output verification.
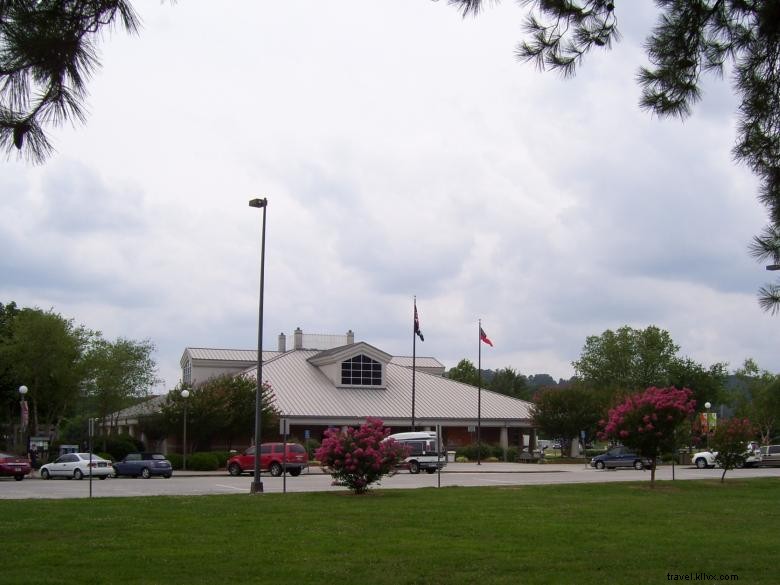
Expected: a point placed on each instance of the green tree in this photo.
(464, 372)
(564, 412)
(691, 38)
(508, 381)
(120, 372)
(626, 360)
(223, 407)
(45, 352)
(758, 398)
(47, 54)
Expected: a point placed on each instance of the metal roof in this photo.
(302, 390)
(420, 362)
(235, 355)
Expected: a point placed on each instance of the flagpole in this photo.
(479, 394)
(414, 356)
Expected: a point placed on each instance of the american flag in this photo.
(417, 323)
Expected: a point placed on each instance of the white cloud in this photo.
(404, 152)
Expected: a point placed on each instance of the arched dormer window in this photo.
(361, 370)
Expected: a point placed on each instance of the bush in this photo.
(311, 446)
(222, 457)
(357, 458)
(202, 462)
(175, 459)
(485, 451)
(105, 456)
(120, 445)
(461, 459)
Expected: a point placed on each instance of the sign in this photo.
(284, 426)
(307, 434)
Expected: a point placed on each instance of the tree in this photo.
(357, 458)
(647, 421)
(626, 360)
(759, 398)
(47, 53)
(46, 352)
(464, 372)
(507, 381)
(223, 406)
(692, 37)
(120, 372)
(565, 412)
(730, 441)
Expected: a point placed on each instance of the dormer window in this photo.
(361, 371)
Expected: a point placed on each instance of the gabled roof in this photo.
(303, 391)
(145, 408)
(419, 362)
(338, 354)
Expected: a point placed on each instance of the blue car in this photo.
(144, 465)
(620, 457)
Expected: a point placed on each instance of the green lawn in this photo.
(579, 534)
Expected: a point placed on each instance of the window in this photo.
(361, 371)
(187, 372)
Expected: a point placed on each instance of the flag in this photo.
(484, 338)
(417, 323)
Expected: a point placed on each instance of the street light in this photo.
(707, 406)
(257, 483)
(25, 415)
(184, 394)
(773, 267)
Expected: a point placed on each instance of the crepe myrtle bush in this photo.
(647, 421)
(730, 441)
(357, 458)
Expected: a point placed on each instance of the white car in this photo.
(77, 466)
(704, 459)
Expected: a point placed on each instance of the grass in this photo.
(580, 534)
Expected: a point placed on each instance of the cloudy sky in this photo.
(403, 151)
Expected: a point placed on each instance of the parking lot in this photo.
(455, 474)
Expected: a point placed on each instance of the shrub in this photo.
(105, 456)
(357, 458)
(461, 459)
(222, 457)
(175, 459)
(120, 445)
(311, 446)
(485, 451)
(203, 462)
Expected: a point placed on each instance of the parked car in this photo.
(14, 465)
(620, 457)
(144, 465)
(77, 466)
(770, 455)
(751, 458)
(272, 458)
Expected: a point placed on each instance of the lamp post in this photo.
(257, 482)
(184, 394)
(707, 406)
(25, 416)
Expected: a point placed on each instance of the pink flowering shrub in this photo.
(647, 421)
(357, 458)
(730, 441)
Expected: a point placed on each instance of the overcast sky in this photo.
(403, 151)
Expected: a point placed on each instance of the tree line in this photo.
(617, 364)
(72, 372)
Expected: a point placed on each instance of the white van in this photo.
(423, 453)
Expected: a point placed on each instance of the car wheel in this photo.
(600, 465)
(431, 470)
(45, 474)
(145, 473)
(638, 465)
(168, 475)
(740, 463)
(701, 463)
(18, 477)
(234, 469)
(102, 477)
(414, 467)
(276, 469)
(77, 474)
(295, 471)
